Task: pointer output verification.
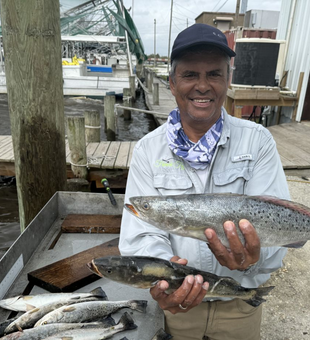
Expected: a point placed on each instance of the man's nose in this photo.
(203, 84)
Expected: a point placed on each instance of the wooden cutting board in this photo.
(81, 223)
(72, 273)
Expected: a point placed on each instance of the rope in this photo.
(127, 99)
(144, 88)
(93, 127)
(158, 114)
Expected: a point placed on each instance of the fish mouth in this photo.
(91, 265)
(131, 209)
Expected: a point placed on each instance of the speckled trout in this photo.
(145, 272)
(277, 222)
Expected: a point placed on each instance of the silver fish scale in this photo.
(277, 222)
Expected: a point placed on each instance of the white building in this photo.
(294, 27)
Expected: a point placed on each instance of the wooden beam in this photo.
(299, 86)
(33, 67)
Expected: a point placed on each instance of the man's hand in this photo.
(238, 256)
(189, 295)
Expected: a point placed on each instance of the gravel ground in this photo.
(286, 312)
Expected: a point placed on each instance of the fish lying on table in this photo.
(23, 303)
(161, 335)
(145, 272)
(89, 311)
(45, 331)
(125, 323)
(28, 319)
(277, 222)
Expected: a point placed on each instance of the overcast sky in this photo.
(184, 12)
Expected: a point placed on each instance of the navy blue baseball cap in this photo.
(200, 34)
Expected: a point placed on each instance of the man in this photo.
(201, 149)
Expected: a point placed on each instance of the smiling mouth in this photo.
(202, 100)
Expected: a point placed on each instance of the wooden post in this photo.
(92, 126)
(151, 79)
(109, 104)
(156, 94)
(132, 82)
(127, 101)
(146, 74)
(33, 65)
(77, 145)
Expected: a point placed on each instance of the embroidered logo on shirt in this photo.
(245, 157)
(169, 163)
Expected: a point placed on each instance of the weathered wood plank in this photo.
(122, 156)
(110, 157)
(71, 273)
(96, 224)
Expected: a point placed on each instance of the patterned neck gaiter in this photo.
(198, 155)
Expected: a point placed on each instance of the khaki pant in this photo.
(216, 320)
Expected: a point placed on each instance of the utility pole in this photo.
(186, 22)
(169, 41)
(33, 67)
(155, 42)
(237, 13)
(132, 8)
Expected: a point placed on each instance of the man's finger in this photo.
(252, 242)
(220, 252)
(235, 244)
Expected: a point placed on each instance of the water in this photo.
(135, 129)
(9, 220)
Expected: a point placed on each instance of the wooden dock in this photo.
(105, 159)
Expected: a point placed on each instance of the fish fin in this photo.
(100, 293)
(161, 334)
(257, 299)
(18, 327)
(296, 245)
(29, 307)
(139, 305)
(127, 321)
(66, 338)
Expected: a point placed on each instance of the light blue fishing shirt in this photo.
(246, 161)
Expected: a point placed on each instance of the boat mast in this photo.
(127, 42)
(169, 37)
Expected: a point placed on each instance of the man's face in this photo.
(199, 86)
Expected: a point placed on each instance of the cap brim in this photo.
(224, 48)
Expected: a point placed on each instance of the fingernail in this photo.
(209, 234)
(205, 286)
(228, 226)
(198, 279)
(190, 279)
(161, 286)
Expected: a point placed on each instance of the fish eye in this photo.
(109, 271)
(146, 206)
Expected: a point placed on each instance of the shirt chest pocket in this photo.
(231, 180)
(172, 184)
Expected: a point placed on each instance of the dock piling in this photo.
(132, 82)
(109, 103)
(150, 81)
(77, 145)
(156, 94)
(127, 101)
(92, 126)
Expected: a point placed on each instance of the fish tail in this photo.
(127, 322)
(99, 292)
(257, 299)
(139, 305)
(162, 335)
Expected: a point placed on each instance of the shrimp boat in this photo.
(46, 245)
(101, 50)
